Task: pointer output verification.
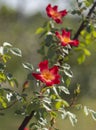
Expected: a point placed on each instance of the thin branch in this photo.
(1, 109)
(85, 22)
(26, 121)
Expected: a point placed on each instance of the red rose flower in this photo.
(55, 14)
(46, 75)
(26, 129)
(65, 38)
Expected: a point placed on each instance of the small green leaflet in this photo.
(28, 66)
(86, 110)
(72, 118)
(64, 89)
(7, 44)
(90, 111)
(46, 107)
(93, 114)
(16, 51)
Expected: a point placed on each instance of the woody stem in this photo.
(26, 121)
(85, 22)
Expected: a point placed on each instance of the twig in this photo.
(85, 22)
(26, 121)
(1, 109)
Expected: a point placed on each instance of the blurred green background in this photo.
(19, 30)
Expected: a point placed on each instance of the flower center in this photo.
(66, 39)
(55, 14)
(47, 75)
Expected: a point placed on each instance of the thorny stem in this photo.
(26, 121)
(85, 22)
(82, 26)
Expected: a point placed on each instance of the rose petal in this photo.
(43, 65)
(63, 12)
(54, 70)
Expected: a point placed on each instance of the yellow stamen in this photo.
(66, 39)
(47, 75)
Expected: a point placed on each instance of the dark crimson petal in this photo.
(74, 42)
(54, 70)
(55, 8)
(58, 35)
(48, 7)
(63, 13)
(43, 65)
(37, 76)
(63, 43)
(58, 20)
(49, 83)
(49, 14)
(56, 80)
(65, 33)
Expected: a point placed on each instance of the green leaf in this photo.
(88, 36)
(2, 77)
(78, 106)
(7, 44)
(5, 58)
(68, 81)
(65, 103)
(46, 107)
(47, 100)
(68, 73)
(83, 32)
(9, 76)
(11, 82)
(93, 114)
(94, 34)
(32, 125)
(48, 40)
(28, 66)
(33, 106)
(45, 129)
(16, 51)
(1, 50)
(2, 101)
(66, 69)
(72, 118)
(42, 121)
(88, 2)
(58, 104)
(56, 129)
(63, 113)
(90, 111)
(87, 52)
(80, 4)
(61, 103)
(64, 89)
(41, 50)
(86, 111)
(81, 59)
(39, 30)
(53, 114)
(51, 53)
(55, 90)
(15, 81)
(2, 67)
